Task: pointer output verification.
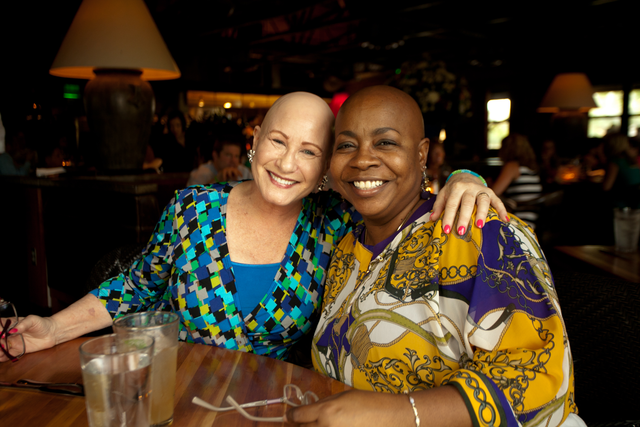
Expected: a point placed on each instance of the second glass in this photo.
(163, 327)
(115, 372)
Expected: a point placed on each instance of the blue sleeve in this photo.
(340, 216)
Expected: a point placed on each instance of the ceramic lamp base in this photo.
(120, 107)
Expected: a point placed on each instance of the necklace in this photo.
(406, 217)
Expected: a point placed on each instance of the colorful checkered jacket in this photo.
(186, 268)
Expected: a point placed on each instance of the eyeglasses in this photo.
(17, 347)
(71, 389)
(292, 396)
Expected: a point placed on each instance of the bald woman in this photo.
(460, 329)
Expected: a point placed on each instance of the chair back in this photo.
(113, 263)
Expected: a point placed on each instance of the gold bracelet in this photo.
(415, 411)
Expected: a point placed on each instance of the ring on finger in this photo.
(481, 193)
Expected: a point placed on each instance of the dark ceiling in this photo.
(254, 42)
(282, 45)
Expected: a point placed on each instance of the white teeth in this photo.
(367, 185)
(280, 180)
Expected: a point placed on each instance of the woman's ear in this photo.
(423, 150)
(256, 136)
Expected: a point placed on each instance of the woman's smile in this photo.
(280, 181)
(368, 185)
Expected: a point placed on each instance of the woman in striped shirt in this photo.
(519, 179)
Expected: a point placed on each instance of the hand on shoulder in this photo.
(460, 196)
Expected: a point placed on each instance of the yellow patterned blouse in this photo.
(477, 311)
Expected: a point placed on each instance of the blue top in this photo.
(253, 283)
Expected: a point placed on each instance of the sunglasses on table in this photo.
(292, 396)
(14, 349)
(70, 389)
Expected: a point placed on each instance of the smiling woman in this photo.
(467, 323)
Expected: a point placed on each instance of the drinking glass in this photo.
(116, 372)
(163, 327)
(626, 226)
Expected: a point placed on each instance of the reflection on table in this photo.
(625, 265)
(210, 373)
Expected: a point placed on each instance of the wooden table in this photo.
(210, 373)
(625, 265)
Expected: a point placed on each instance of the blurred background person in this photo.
(222, 162)
(549, 163)
(437, 169)
(593, 159)
(622, 177)
(518, 180)
(18, 159)
(54, 156)
(172, 148)
(634, 143)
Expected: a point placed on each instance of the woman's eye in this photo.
(386, 142)
(344, 145)
(277, 141)
(308, 152)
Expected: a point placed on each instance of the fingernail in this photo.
(447, 229)
(507, 218)
(479, 223)
(431, 216)
(13, 331)
(461, 230)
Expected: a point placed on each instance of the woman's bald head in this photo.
(300, 105)
(387, 97)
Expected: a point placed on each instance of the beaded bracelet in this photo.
(415, 411)
(469, 172)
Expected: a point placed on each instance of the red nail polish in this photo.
(461, 230)
(447, 229)
(13, 331)
(507, 218)
(479, 223)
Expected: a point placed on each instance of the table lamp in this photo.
(569, 98)
(570, 93)
(116, 45)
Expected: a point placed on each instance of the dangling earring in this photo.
(425, 180)
(323, 183)
(250, 155)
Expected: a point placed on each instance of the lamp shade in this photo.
(568, 92)
(114, 34)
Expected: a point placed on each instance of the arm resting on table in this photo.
(84, 316)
